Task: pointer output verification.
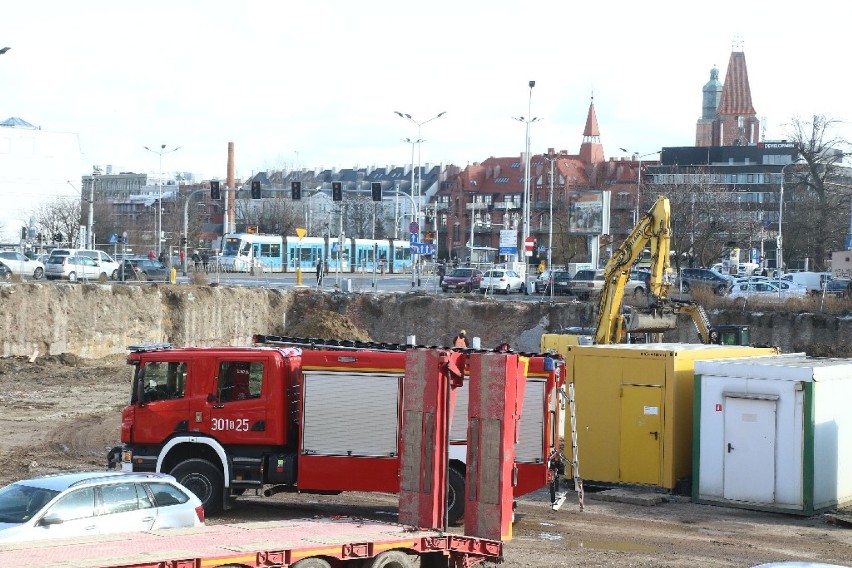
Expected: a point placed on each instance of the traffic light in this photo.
(183, 241)
(296, 190)
(57, 238)
(23, 233)
(336, 191)
(376, 188)
(215, 194)
(255, 190)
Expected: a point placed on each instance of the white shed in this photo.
(773, 433)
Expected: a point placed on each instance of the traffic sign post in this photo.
(529, 244)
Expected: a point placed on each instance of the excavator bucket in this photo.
(653, 321)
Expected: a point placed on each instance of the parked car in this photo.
(769, 291)
(703, 277)
(95, 503)
(464, 279)
(74, 268)
(105, 261)
(586, 283)
(559, 279)
(21, 265)
(838, 288)
(144, 269)
(506, 281)
(5, 273)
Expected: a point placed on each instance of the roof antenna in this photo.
(738, 43)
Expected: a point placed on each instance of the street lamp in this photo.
(160, 153)
(186, 227)
(525, 233)
(416, 211)
(779, 242)
(638, 157)
(418, 142)
(90, 238)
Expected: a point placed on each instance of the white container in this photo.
(773, 433)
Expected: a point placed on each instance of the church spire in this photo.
(591, 150)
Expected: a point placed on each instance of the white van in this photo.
(813, 281)
(105, 261)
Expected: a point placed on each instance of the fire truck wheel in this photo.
(455, 496)
(205, 480)
(392, 559)
(312, 563)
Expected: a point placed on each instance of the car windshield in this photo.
(19, 502)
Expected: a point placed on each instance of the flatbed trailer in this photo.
(337, 541)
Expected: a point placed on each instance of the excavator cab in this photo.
(730, 335)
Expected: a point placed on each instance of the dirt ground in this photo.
(62, 413)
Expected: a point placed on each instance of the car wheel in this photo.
(114, 275)
(142, 276)
(508, 289)
(685, 288)
(102, 278)
(72, 277)
(38, 274)
(6, 276)
(204, 479)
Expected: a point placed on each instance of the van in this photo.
(813, 281)
(105, 261)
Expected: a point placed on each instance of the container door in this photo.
(749, 470)
(640, 450)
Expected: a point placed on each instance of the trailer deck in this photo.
(259, 544)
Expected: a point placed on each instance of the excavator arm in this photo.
(654, 231)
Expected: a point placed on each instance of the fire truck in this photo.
(431, 379)
(310, 416)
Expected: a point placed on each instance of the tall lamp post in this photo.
(638, 180)
(525, 232)
(90, 237)
(418, 142)
(186, 227)
(160, 153)
(779, 242)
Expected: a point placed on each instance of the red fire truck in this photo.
(431, 378)
(306, 415)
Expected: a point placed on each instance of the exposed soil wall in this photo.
(93, 321)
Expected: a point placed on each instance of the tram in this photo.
(273, 253)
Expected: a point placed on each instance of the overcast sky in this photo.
(315, 84)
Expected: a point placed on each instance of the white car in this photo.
(506, 281)
(95, 503)
(21, 265)
(746, 290)
(74, 268)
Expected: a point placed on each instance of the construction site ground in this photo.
(63, 413)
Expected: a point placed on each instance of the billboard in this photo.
(585, 213)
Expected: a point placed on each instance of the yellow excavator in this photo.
(660, 312)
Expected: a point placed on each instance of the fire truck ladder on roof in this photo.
(575, 459)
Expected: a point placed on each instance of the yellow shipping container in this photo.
(634, 408)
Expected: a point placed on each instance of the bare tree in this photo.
(817, 202)
(60, 216)
(704, 219)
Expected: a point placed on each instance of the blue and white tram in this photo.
(357, 255)
(243, 251)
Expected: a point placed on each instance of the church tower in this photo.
(591, 150)
(734, 122)
(712, 93)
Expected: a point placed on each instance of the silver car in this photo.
(95, 503)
